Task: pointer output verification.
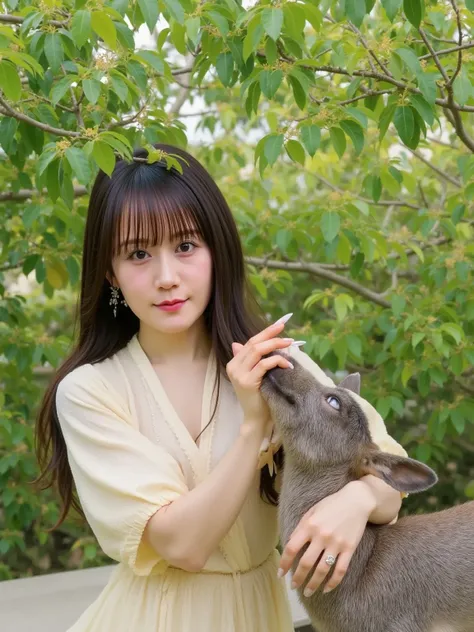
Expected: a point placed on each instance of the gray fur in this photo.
(414, 576)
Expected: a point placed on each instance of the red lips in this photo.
(177, 300)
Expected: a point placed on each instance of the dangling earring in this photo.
(115, 299)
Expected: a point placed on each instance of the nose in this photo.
(166, 275)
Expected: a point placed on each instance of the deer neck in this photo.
(306, 484)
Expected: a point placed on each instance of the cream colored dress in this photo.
(130, 454)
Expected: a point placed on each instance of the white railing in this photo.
(52, 603)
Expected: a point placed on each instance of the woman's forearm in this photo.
(387, 501)
(189, 529)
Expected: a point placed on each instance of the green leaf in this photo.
(313, 15)
(295, 151)
(416, 338)
(409, 58)
(92, 89)
(153, 59)
(391, 7)
(338, 140)
(60, 89)
(423, 452)
(53, 48)
(355, 133)
(423, 108)
(330, 225)
(344, 249)
(470, 5)
(385, 119)
(299, 93)
(413, 10)
(176, 10)
(119, 87)
(79, 164)
(253, 37)
(272, 147)
(272, 21)
(104, 156)
(56, 273)
(270, 81)
(404, 121)
(150, 12)
(355, 11)
(427, 85)
(10, 81)
(271, 51)
(192, 28)
(340, 307)
(225, 68)
(8, 128)
(462, 87)
(455, 331)
(46, 157)
(219, 21)
(311, 137)
(104, 27)
(81, 27)
(407, 373)
(398, 305)
(354, 344)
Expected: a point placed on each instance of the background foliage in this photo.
(340, 133)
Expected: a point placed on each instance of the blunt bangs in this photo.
(150, 205)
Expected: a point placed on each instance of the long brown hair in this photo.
(156, 199)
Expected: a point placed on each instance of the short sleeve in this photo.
(122, 478)
(378, 431)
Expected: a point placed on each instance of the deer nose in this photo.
(272, 377)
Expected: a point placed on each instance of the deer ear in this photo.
(403, 474)
(352, 383)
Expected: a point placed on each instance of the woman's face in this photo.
(178, 268)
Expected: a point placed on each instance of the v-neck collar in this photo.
(196, 453)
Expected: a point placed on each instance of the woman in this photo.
(157, 419)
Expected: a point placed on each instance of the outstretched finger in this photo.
(266, 364)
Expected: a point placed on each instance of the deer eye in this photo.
(333, 402)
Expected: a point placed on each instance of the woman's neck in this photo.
(181, 348)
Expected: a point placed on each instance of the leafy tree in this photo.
(340, 133)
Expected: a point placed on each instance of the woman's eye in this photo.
(187, 243)
(135, 252)
(333, 402)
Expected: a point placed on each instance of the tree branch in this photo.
(454, 117)
(127, 121)
(446, 51)
(184, 91)
(459, 25)
(9, 111)
(26, 194)
(16, 19)
(317, 271)
(359, 197)
(441, 173)
(433, 54)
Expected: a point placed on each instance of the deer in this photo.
(416, 575)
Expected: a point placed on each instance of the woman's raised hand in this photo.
(247, 368)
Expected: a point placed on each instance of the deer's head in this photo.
(323, 426)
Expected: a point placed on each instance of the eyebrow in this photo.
(191, 232)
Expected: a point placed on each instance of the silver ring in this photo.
(330, 560)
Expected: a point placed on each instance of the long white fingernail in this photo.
(290, 366)
(284, 319)
(280, 573)
(308, 592)
(298, 343)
